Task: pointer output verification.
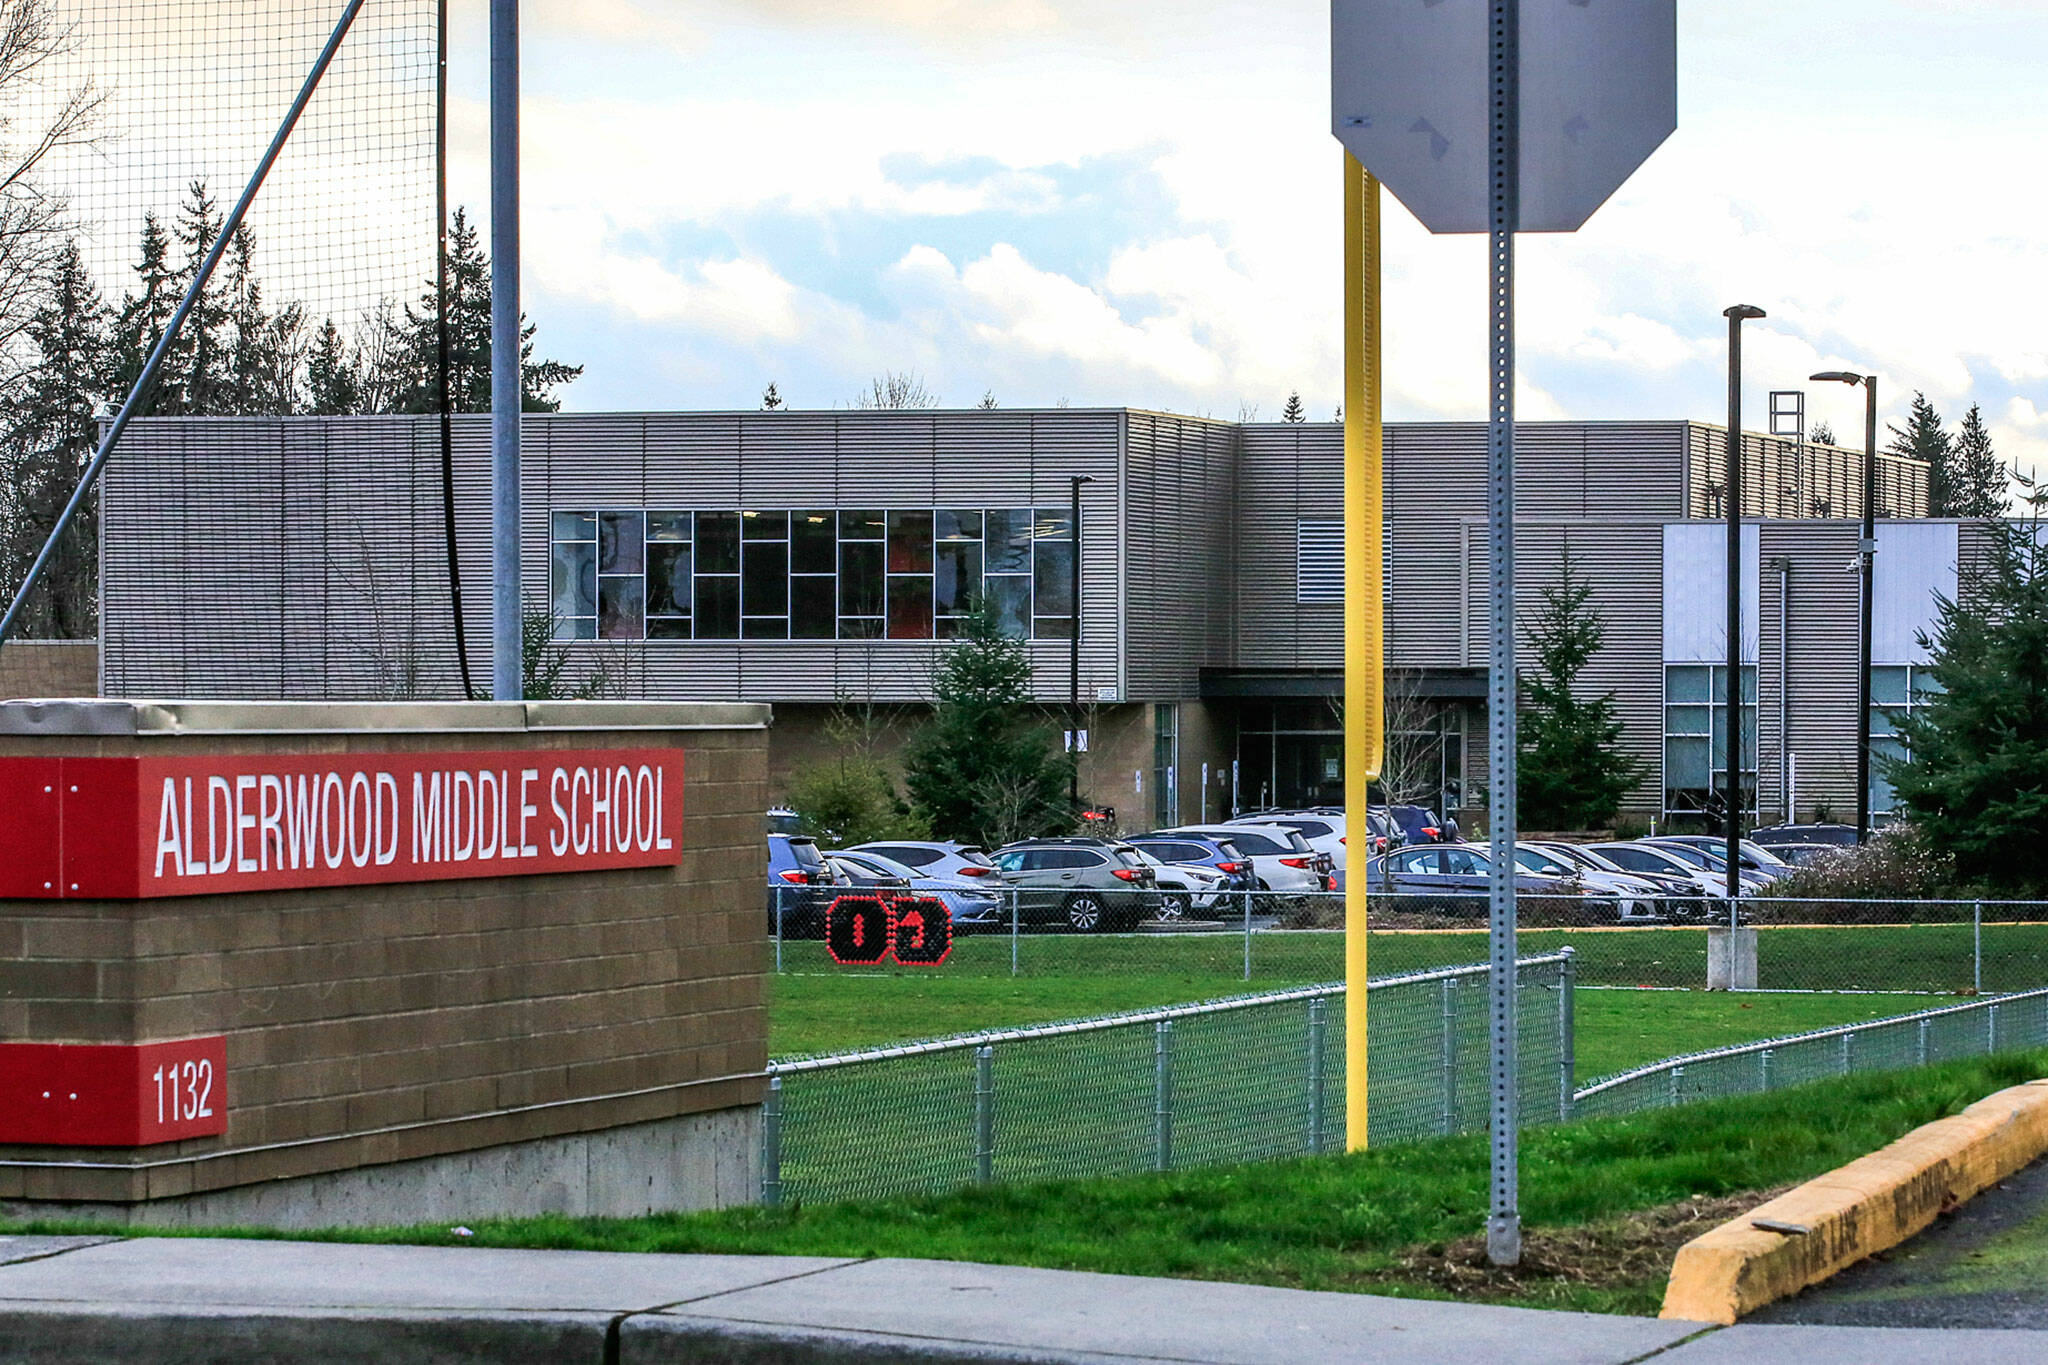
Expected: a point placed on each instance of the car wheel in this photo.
(1085, 914)
(1173, 903)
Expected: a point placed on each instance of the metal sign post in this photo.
(1501, 116)
(507, 666)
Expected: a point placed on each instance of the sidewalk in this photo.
(177, 1300)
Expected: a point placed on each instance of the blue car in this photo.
(1195, 850)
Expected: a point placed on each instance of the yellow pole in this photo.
(1364, 662)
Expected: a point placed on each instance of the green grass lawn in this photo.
(1374, 1221)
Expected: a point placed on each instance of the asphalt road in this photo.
(1985, 1265)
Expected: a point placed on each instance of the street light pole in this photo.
(1074, 647)
(1866, 551)
(1732, 498)
(507, 667)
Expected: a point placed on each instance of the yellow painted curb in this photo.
(1869, 1205)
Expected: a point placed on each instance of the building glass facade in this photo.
(1696, 736)
(824, 574)
(1896, 692)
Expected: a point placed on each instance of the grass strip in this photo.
(1604, 1203)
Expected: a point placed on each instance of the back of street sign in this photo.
(1410, 86)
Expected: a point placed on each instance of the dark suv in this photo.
(1087, 885)
(800, 885)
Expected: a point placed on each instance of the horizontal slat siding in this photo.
(1825, 625)
(1178, 509)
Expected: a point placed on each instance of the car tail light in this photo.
(1329, 883)
(1431, 831)
(1124, 874)
(1380, 843)
(1230, 867)
(796, 875)
(972, 871)
(1343, 838)
(1294, 862)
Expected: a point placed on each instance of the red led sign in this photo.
(112, 1095)
(140, 827)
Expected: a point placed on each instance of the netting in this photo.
(1251, 1079)
(128, 129)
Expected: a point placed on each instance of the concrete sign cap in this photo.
(1410, 86)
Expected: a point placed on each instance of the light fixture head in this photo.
(1744, 312)
(1081, 478)
(1839, 377)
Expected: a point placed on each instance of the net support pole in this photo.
(1504, 1224)
(152, 370)
(506, 670)
(1364, 703)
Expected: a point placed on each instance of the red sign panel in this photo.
(112, 1095)
(144, 827)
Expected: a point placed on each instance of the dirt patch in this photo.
(1626, 1253)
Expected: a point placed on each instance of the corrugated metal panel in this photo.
(1179, 506)
(1915, 561)
(1825, 623)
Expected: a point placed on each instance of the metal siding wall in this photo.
(1825, 620)
(1179, 505)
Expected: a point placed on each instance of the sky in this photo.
(1107, 202)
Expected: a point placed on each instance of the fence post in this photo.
(1448, 1059)
(984, 1114)
(1015, 896)
(1677, 1074)
(1247, 935)
(1162, 1095)
(1920, 1051)
(1763, 1071)
(1315, 1075)
(771, 1144)
(1567, 1035)
(1847, 1039)
(1977, 946)
(1991, 1029)
(778, 929)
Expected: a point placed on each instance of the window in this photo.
(1165, 763)
(1897, 691)
(1319, 561)
(809, 574)
(1696, 737)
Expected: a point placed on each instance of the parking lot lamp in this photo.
(1732, 500)
(1866, 551)
(1074, 647)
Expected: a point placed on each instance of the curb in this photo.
(1870, 1205)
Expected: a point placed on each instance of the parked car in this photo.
(782, 820)
(1386, 831)
(1421, 825)
(1638, 857)
(868, 880)
(1194, 850)
(1281, 858)
(1755, 857)
(800, 885)
(1186, 886)
(934, 857)
(971, 901)
(1087, 884)
(1459, 873)
(1679, 893)
(1634, 898)
(1713, 862)
(1325, 831)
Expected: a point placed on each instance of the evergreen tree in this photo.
(196, 379)
(405, 377)
(145, 315)
(1924, 438)
(988, 400)
(1976, 782)
(50, 436)
(1980, 484)
(1573, 771)
(771, 400)
(1294, 412)
(333, 387)
(1822, 434)
(987, 767)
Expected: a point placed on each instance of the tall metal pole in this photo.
(1074, 648)
(1504, 1226)
(1364, 595)
(139, 397)
(1732, 499)
(442, 397)
(507, 682)
(1868, 551)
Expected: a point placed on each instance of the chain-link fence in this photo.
(1243, 1079)
(1217, 943)
(2007, 1023)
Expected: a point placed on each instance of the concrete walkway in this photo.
(177, 1300)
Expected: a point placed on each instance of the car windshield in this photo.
(1698, 857)
(806, 853)
(1129, 857)
(1259, 844)
(1762, 855)
(1592, 859)
(1542, 863)
(968, 853)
